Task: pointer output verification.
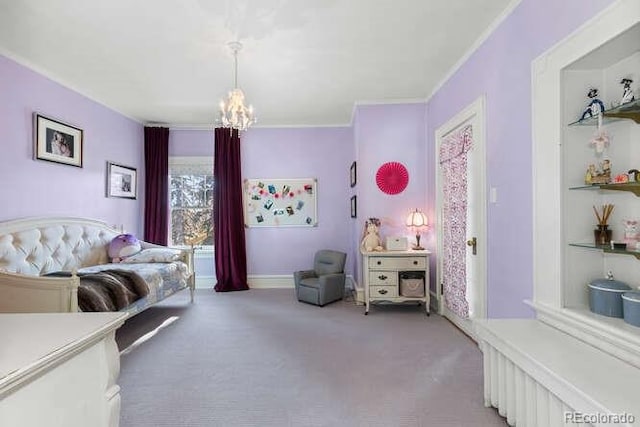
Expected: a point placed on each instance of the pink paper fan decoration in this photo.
(392, 178)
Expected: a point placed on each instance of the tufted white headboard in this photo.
(36, 246)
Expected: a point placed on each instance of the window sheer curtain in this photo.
(228, 221)
(156, 184)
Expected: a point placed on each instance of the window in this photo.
(191, 201)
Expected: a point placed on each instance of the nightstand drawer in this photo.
(397, 263)
(383, 278)
(381, 292)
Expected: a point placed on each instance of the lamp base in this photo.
(417, 247)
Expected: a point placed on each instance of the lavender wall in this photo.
(39, 188)
(501, 70)
(196, 143)
(386, 133)
(322, 153)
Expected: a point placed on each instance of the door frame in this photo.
(475, 114)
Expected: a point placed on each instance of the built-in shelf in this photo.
(606, 249)
(630, 331)
(633, 187)
(630, 110)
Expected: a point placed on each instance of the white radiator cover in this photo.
(536, 375)
(518, 396)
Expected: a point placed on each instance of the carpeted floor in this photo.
(261, 358)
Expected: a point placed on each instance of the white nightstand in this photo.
(382, 273)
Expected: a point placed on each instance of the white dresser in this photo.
(59, 370)
(384, 271)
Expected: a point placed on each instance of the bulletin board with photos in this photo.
(280, 202)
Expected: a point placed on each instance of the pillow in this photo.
(154, 255)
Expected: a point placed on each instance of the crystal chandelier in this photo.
(233, 113)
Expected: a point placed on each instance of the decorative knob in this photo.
(379, 262)
(415, 262)
(382, 277)
(382, 291)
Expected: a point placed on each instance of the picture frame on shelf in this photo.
(58, 142)
(352, 174)
(354, 206)
(122, 181)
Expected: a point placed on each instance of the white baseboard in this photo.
(359, 291)
(276, 281)
(255, 282)
(205, 282)
(271, 281)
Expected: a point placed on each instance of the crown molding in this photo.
(397, 101)
(186, 127)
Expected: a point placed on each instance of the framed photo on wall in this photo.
(57, 142)
(352, 174)
(122, 181)
(354, 206)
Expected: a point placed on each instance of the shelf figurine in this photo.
(621, 178)
(600, 141)
(595, 107)
(591, 173)
(599, 176)
(631, 232)
(627, 92)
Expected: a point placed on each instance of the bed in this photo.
(45, 261)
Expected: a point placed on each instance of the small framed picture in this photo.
(57, 142)
(354, 206)
(122, 181)
(352, 174)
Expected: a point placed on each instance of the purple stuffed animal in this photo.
(122, 246)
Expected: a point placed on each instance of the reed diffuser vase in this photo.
(602, 234)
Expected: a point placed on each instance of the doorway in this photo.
(461, 217)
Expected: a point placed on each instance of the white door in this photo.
(461, 209)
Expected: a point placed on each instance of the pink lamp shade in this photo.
(417, 220)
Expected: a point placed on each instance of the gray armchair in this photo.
(325, 283)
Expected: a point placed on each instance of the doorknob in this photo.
(473, 242)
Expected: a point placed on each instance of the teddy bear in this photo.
(371, 239)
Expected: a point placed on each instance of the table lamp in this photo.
(417, 220)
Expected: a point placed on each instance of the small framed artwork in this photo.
(57, 142)
(122, 181)
(352, 174)
(354, 206)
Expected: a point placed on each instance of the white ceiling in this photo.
(304, 62)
